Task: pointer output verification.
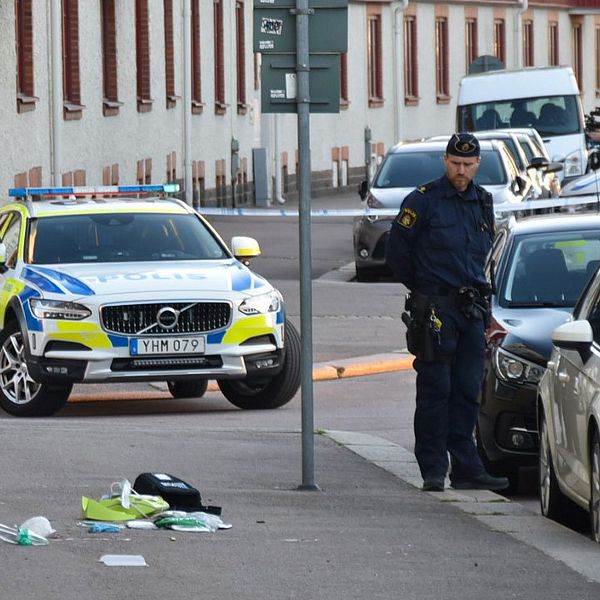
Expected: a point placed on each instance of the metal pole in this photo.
(57, 90)
(303, 103)
(187, 102)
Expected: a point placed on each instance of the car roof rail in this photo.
(36, 193)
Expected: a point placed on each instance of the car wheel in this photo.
(272, 393)
(552, 500)
(595, 487)
(188, 389)
(20, 395)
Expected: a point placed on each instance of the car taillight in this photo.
(495, 333)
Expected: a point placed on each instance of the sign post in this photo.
(286, 32)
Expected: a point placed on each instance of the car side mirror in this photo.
(363, 188)
(244, 248)
(594, 160)
(574, 335)
(3, 257)
(519, 185)
(538, 162)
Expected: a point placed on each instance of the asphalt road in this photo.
(225, 451)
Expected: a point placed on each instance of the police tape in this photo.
(508, 207)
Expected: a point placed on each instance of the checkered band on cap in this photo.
(463, 144)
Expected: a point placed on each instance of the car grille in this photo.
(170, 363)
(141, 319)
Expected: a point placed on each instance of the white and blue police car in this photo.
(126, 284)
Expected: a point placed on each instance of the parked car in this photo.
(538, 266)
(569, 415)
(99, 289)
(408, 165)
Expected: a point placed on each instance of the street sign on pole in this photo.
(275, 30)
(279, 83)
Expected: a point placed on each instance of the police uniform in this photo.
(437, 247)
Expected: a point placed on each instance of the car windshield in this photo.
(550, 115)
(121, 237)
(411, 169)
(549, 269)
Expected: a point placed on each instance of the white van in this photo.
(546, 98)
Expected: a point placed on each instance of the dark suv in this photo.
(539, 265)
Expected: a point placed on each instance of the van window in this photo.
(550, 115)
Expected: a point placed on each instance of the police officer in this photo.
(437, 247)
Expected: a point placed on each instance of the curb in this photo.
(325, 371)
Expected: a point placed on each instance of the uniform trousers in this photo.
(447, 401)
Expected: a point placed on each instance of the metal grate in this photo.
(141, 319)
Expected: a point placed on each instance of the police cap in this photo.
(463, 144)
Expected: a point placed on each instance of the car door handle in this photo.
(551, 365)
(563, 377)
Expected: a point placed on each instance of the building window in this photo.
(411, 81)
(24, 39)
(197, 105)
(220, 106)
(500, 40)
(170, 95)
(71, 81)
(240, 52)
(528, 58)
(375, 75)
(344, 96)
(577, 53)
(597, 61)
(142, 56)
(110, 99)
(553, 43)
(471, 51)
(441, 60)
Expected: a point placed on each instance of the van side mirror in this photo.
(363, 188)
(538, 162)
(594, 160)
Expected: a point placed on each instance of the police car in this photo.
(126, 284)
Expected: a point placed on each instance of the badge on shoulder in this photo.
(406, 218)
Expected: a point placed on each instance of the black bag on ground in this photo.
(179, 494)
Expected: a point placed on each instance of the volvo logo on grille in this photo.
(167, 317)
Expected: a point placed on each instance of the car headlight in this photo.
(259, 305)
(573, 164)
(57, 309)
(514, 369)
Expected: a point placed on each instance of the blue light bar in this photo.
(168, 188)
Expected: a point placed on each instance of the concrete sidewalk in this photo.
(368, 533)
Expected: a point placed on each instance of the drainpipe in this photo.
(398, 66)
(187, 102)
(519, 32)
(56, 90)
(277, 192)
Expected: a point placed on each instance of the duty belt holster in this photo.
(423, 327)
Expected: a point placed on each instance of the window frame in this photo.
(110, 88)
(442, 91)
(411, 72)
(72, 107)
(25, 71)
(219, 58)
(374, 60)
(142, 57)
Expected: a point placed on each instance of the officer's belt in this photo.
(453, 297)
(424, 300)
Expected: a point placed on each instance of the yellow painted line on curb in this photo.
(325, 372)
